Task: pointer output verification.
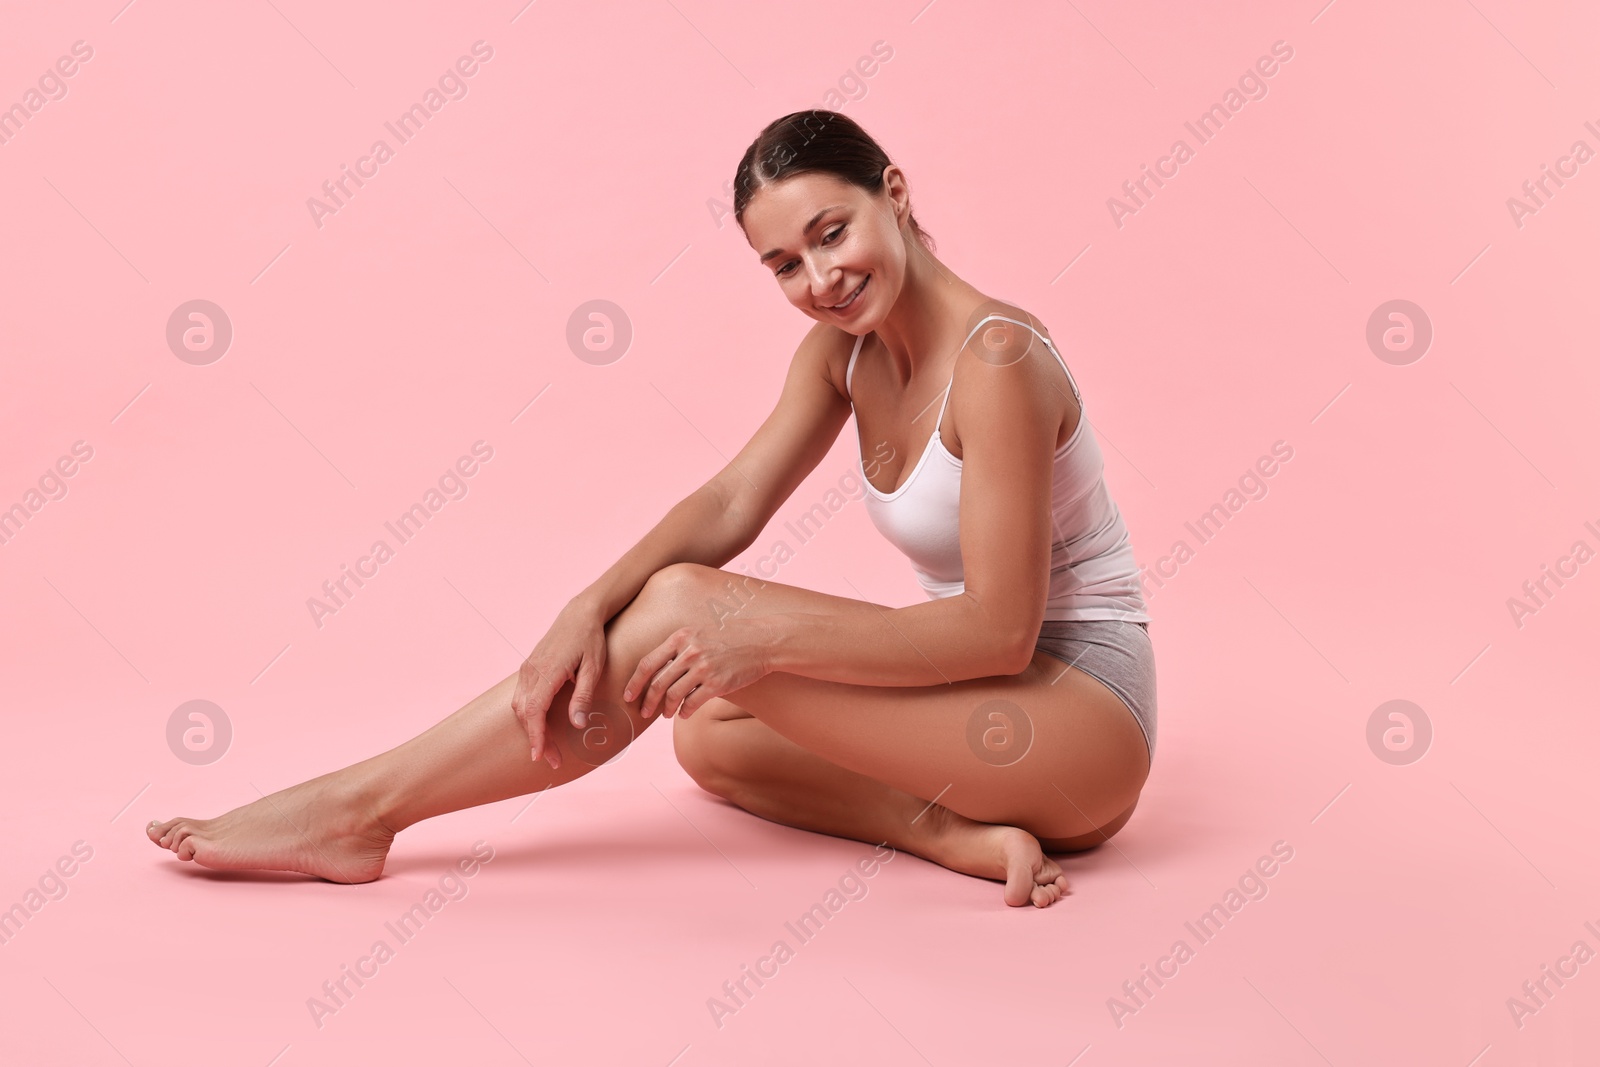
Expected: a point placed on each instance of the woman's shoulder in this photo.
(1000, 331)
(1001, 334)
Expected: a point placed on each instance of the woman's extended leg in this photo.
(339, 826)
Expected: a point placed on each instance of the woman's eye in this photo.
(784, 270)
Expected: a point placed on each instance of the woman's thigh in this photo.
(1050, 750)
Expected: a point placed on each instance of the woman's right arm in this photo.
(704, 527)
(712, 525)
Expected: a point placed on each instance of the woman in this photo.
(1010, 714)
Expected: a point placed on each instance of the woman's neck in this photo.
(925, 315)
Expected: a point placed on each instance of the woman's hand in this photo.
(696, 663)
(573, 648)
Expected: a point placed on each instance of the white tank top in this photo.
(1093, 574)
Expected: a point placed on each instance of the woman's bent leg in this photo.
(856, 761)
(732, 754)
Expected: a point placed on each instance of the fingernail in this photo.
(580, 718)
(627, 694)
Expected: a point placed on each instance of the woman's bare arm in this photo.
(723, 517)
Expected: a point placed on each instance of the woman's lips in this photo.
(854, 301)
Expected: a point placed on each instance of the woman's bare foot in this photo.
(1003, 853)
(320, 827)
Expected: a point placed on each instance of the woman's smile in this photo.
(851, 302)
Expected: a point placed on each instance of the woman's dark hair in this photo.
(813, 142)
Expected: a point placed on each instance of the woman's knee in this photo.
(679, 579)
(675, 591)
(702, 744)
(666, 601)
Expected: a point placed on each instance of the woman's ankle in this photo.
(364, 795)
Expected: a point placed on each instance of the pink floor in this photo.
(1434, 893)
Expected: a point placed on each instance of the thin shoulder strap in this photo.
(1071, 380)
(946, 401)
(980, 322)
(850, 368)
(939, 421)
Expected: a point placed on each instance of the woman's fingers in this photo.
(692, 702)
(531, 703)
(540, 744)
(659, 699)
(647, 665)
(676, 701)
(648, 672)
(583, 692)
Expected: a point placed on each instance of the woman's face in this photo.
(824, 239)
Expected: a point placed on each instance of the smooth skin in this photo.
(827, 713)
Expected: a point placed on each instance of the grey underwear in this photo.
(1116, 653)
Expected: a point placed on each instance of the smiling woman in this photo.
(1011, 713)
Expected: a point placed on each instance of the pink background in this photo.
(368, 354)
